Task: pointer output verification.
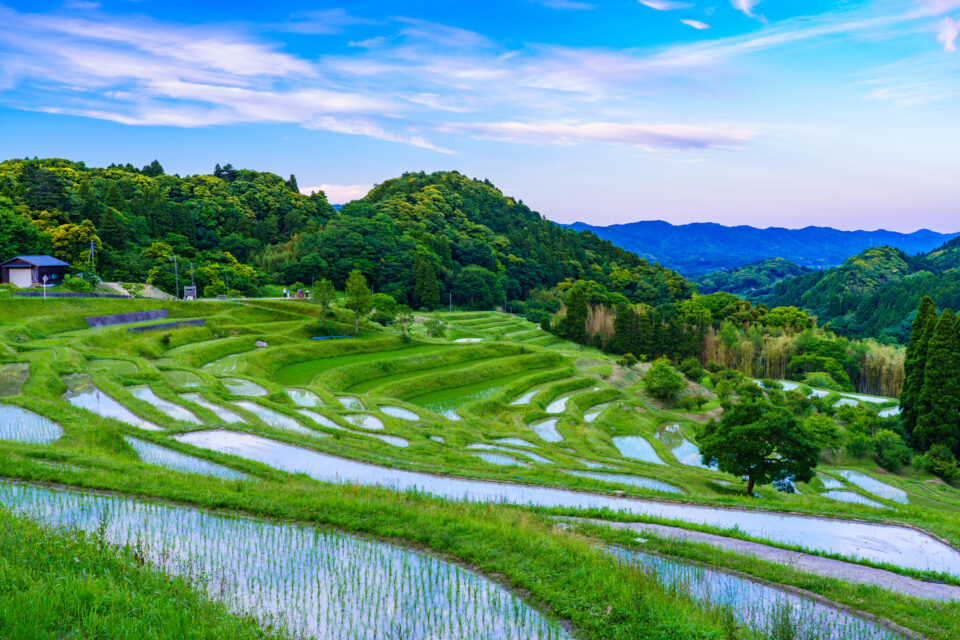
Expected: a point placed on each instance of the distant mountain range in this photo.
(705, 247)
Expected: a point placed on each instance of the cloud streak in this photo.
(665, 5)
(949, 31)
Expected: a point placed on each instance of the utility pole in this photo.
(451, 301)
(191, 274)
(93, 270)
(176, 277)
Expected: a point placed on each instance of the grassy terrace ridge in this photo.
(560, 571)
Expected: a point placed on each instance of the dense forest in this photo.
(752, 281)
(420, 238)
(876, 292)
(722, 330)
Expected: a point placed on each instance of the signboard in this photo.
(189, 293)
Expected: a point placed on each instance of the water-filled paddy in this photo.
(399, 413)
(20, 425)
(851, 497)
(896, 545)
(594, 412)
(227, 416)
(515, 442)
(13, 376)
(165, 407)
(226, 364)
(320, 419)
(82, 393)
(170, 459)
(558, 405)
(310, 583)
(499, 459)
(547, 430)
(241, 387)
(365, 421)
(304, 398)
(874, 486)
(349, 403)
(756, 605)
(276, 419)
(623, 478)
(481, 446)
(179, 378)
(637, 448)
(447, 401)
(682, 449)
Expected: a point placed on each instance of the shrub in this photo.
(435, 327)
(892, 453)
(77, 285)
(939, 461)
(692, 369)
(821, 380)
(662, 381)
(700, 401)
(687, 403)
(768, 383)
(545, 323)
(627, 360)
(859, 445)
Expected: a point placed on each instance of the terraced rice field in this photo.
(376, 436)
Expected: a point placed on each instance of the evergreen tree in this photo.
(645, 337)
(575, 322)
(90, 206)
(426, 291)
(292, 183)
(940, 394)
(915, 363)
(626, 330)
(112, 229)
(153, 169)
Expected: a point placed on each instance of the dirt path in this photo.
(818, 565)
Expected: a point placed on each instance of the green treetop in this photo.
(358, 298)
(937, 422)
(915, 362)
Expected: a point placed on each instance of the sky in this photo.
(762, 112)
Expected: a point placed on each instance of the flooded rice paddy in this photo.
(350, 403)
(304, 398)
(873, 486)
(480, 446)
(365, 421)
(755, 605)
(682, 449)
(594, 412)
(241, 387)
(399, 413)
(276, 419)
(307, 582)
(165, 407)
(559, 405)
(500, 460)
(447, 401)
(547, 430)
(20, 425)
(170, 459)
(901, 546)
(82, 394)
(622, 478)
(227, 416)
(851, 497)
(13, 376)
(637, 448)
(178, 378)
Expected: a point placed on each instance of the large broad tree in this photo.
(760, 442)
(358, 299)
(914, 366)
(937, 422)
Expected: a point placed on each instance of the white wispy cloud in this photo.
(746, 6)
(647, 136)
(696, 24)
(949, 30)
(339, 193)
(665, 5)
(326, 21)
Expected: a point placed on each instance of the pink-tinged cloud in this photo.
(746, 6)
(646, 136)
(696, 24)
(665, 5)
(949, 31)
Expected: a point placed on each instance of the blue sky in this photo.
(762, 112)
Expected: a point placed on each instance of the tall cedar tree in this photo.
(915, 362)
(575, 323)
(940, 395)
(358, 297)
(426, 292)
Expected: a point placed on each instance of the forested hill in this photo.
(753, 281)
(419, 237)
(876, 292)
(700, 248)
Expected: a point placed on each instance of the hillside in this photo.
(753, 281)
(876, 292)
(421, 238)
(704, 247)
